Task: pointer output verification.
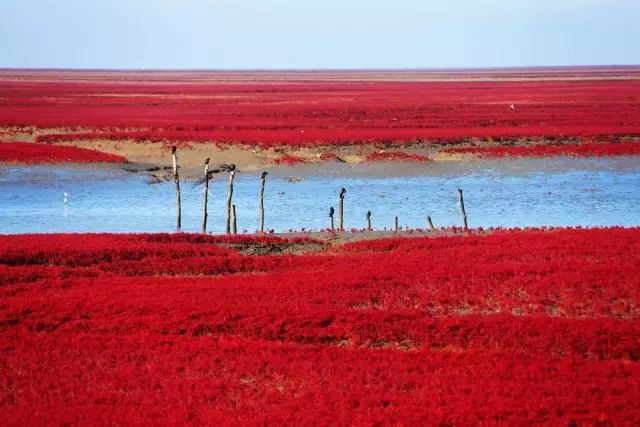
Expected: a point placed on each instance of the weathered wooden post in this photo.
(397, 228)
(331, 212)
(232, 175)
(369, 220)
(206, 195)
(430, 223)
(264, 179)
(464, 213)
(176, 180)
(233, 221)
(342, 193)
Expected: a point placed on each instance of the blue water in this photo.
(602, 193)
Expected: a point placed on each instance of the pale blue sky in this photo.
(268, 34)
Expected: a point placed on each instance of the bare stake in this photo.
(264, 179)
(176, 179)
(232, 175)
(233, 220)
(464, 213)
(369, 220)
(430, 223)
(206, 195)
(397, 228)
(331, 212)
(342, 193)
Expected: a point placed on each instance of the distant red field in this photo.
(23, 152)
(306, 109)
(512, 327)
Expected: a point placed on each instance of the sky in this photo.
(317, 34)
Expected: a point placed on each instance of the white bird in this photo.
(66, 197)
(512, 107)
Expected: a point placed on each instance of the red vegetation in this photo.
(305, 111)
(579, 150)
(515, 328)
(24, 152)
(328, 155)
(396, 156)
(289, 159)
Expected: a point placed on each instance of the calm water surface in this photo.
(560, 192)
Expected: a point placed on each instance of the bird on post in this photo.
(264, 175)
(343, 191)
(174, 156)
(207, 173)
(221, 168)
(331, 212)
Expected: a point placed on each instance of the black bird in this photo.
(368, 214)
(227, 168)
(222, 168)
(173, 150)
(342, 193)
(331, 211)
(264, 175)
(206, 162)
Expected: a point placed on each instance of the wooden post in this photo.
(176, 180)
(464, 213)
(430, 223)
(397, 228)
(264, 178)
(331, 212)
(233, 221)
(206, 195)
(232, 175)
(342, 193)
(369, 220)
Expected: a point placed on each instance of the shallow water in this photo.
(563, 192)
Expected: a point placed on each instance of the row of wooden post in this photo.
(231, 223)
(397, 228)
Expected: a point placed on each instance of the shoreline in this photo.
(466, 165)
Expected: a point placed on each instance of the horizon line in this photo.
(315, 70)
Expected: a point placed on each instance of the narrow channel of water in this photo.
(600, 192)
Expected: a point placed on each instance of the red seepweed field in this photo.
(512, 327)
(330, 109)
(24, 152)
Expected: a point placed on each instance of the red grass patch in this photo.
(305, 112)
(328, 155)
(23, 152)
(515, 326)
(289, 159)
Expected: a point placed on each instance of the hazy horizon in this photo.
(315, 70)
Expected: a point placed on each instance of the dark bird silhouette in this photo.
(368, 214)
(227, 168)
(221, 168)
(173, 150)
(264, 175)
(342, 193)
(206, 162)
(331, 211)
